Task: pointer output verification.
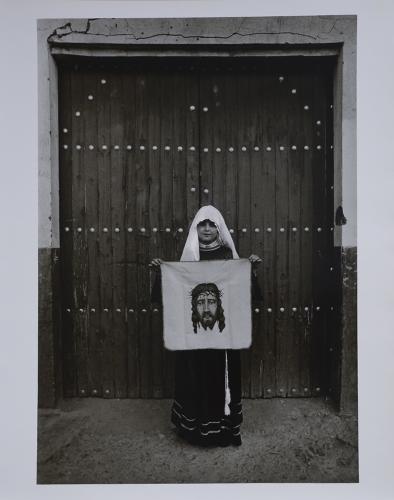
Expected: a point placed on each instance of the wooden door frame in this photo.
(318, 36)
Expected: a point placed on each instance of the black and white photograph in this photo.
(206, 295)
(211, 142)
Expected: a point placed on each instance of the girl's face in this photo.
(207, 231)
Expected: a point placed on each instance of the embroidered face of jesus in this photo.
(207, 307)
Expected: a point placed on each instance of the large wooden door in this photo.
(143, 145)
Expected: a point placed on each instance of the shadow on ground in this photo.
(132, 441)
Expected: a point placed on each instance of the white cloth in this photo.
(231, 321)
(191, 250)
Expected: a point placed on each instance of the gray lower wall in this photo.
(48, 338)
(348, 391)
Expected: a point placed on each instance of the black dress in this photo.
(198, 411)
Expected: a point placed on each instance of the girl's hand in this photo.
(155, 263)
(255, 260)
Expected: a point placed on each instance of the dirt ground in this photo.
(88, 441)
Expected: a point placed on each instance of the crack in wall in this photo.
(71, 30)
(332, 27)
(325, 34)
(55, 35)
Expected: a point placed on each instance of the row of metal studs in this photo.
(180, 230)
(156, 310)
(293, 390)
(106, 309)
(192, 107)
(231, 149)
(204, 108)
(94, 391)
(281, 79)
(268, 390)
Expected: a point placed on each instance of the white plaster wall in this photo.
(349, 143)
(48, 175)
(44, 145)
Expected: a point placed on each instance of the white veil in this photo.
(191, 250)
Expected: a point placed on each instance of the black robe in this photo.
(198, 410)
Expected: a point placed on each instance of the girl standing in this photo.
(207, 408)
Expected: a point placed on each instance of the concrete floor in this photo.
(132, 441)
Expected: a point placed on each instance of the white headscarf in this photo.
(191, 250)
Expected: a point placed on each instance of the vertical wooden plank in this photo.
(192, 105)
(142, 235)
(305, 106)
(291, 83)
(166, 224)
(230, 146)
(216, 103)
(167, 196)
(130, 143)
(166, 184)
(219, 118)
(318, 362)
(155, 250)
(67, 235)
(79, 216)
(179, 116)
(268, 193)
(245, 107)
(119, 338)
(279, 109)
(104, 89)
(257, 230)
(207, 135)
(89, 158)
